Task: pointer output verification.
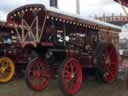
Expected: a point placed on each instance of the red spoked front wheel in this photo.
(70, 76)
(108, 64)
(37, 75)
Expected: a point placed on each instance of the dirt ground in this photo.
(89, 88)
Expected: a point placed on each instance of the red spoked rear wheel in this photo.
(107, 64)
(37, 75)
(110, 65)
(70, 76)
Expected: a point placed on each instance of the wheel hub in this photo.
(4, 66)
(37, 74)
(70, 76)
(108, 61)
(108, 64)
(2, 69)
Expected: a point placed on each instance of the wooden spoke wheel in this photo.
(108, 64)
(37, 75)
(7, 69)
(70, 76)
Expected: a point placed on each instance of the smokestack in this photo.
(77, 7)
(54, 3)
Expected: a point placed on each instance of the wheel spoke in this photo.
(45, 75)
(111, 52)
(67, 74)
(72, 67)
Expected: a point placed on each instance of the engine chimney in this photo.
(54, 3)
(77, 6)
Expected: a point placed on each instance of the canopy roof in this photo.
(86, 19)
(64, 15)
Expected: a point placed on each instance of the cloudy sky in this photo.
(87, 7)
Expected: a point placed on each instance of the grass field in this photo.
(89, 88)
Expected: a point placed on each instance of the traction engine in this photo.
(62, 46)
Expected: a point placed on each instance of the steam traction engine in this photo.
(64, 45)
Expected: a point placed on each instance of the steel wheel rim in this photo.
(7, 69)
(109, 65)
(38, 76)
(72, 77)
